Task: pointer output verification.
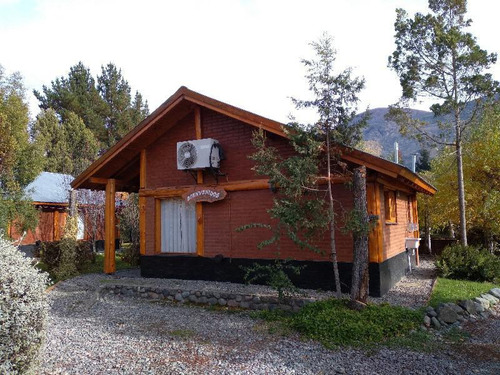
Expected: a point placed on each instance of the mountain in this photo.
(386, 133)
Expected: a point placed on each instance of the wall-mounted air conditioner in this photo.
(198, 154)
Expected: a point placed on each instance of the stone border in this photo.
(453, 314)
(243, 301)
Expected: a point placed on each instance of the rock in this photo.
(178, 297)
(232, 303)
(430, 311)
(245, 305)
(435, 323)
(238, 298)
(153, 295)
(479, 307)
(193, 298)
(493, 300)
(468, 306)
(495, 292)
(222, 302)
(427, 321)
(185, 294)
(212, 301)
(483, 302)
(447, 314)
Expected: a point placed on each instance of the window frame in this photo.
(390, 207)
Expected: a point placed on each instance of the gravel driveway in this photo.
(87, 335)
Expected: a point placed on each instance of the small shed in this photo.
(191, 202)
(50, 195)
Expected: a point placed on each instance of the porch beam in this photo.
(375, 239)
(109, 227)
(142, 205)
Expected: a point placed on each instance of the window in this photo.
(390, 206)
(178, 226)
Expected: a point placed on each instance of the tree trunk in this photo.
(461, 195)
(333, 247)
(359, 284)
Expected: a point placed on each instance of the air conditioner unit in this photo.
(198, 154)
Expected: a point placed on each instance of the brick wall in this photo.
(238, 208)
(394, 234)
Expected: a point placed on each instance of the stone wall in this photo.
(244, 301)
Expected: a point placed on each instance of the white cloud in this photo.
(246, 53)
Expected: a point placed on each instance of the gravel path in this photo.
(91, 336)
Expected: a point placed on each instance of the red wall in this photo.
(238, 208)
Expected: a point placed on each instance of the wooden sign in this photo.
(204, 194)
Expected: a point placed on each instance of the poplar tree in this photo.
(436, 57)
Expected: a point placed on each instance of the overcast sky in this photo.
(246, 53)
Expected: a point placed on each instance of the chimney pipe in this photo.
(396, 152)
(414, 163)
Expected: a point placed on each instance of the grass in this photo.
(96, 267)
(449, 290)
(332, 323)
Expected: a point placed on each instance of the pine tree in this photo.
(436, 57)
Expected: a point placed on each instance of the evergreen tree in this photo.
(424, 161)
(301, 211)
(20, 160)
(69, 146)
(105, 105)
(435, 57)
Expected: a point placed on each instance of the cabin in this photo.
(49, 193)
(189, 163)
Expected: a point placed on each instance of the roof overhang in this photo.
(122, 161)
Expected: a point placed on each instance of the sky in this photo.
(246, 53)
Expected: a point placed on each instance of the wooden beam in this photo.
(104, 181)
(109, 228)
(157, 226)
(368, 165)
(200, 231)
(395, 185)
(375, 239)
(176, 191)
(142, 205)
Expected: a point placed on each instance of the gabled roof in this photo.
(49, 188)
(121, 161)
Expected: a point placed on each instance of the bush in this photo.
(274, 275)
(23, 310)
(468, 263)
(131, 254)
(50, 254)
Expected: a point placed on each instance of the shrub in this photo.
(23, 310)
(131, 254)
(468, 263)
(274, 275)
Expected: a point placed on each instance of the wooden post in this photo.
(415, 220)
(55, 230)
(142, 205)
(109, 228)
(200, 232)
(375, 239)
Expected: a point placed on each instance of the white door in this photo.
(178, 226)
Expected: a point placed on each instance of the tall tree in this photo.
(335, 101)
(76, 93)
(481, 162)
(20, 159)
(69, 146)
(300, 209)
(121, 114)
(104, 104)
(435, 57)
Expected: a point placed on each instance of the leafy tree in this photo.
(435, 57)
(301, 211)
(481, 163)
(69, 146)
(20, 160)
(105, 105)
